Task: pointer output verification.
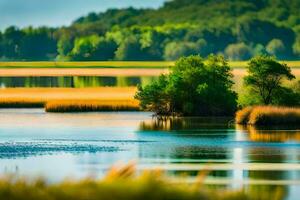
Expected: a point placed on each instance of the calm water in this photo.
(74, 81)
(57, 146)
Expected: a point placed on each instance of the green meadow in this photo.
(116, 64)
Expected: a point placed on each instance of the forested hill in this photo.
(238, 29)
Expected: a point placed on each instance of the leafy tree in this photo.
(276, 48)
(265, 76)
(130, 49)
(286, 96)
(259, 49)
(238, 51)
(83, 47)
(1, 45)
(93, 48)
(38, 44)
(194, 87)
(104, 49)
(296, 47)
(12, 38)
(174, 50)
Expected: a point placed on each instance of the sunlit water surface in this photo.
(58, 146)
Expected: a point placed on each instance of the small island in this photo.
(203, 87)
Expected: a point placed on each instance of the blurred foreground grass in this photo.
(119, 184)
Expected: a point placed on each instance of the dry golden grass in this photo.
(242, 116)
(269, 115)
(47, 94)
(91, 106)
(37, 97)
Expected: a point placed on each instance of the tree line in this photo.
(238, 29)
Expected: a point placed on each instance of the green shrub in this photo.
(194, 87)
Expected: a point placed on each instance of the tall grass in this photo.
(269, 115)
(118, 184)
(92, 106)
(242, 116)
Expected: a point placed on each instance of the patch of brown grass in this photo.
(269, 115)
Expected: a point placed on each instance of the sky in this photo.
(56, 13)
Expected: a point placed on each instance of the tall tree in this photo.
(265, 76)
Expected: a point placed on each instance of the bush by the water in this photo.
(194, 87)
(268, 115)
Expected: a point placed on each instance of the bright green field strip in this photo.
(105, 64)
(116, 64)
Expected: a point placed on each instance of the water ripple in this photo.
(26, 149)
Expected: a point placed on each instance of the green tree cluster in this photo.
(237, 29)
(194, 87)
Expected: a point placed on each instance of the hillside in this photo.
(238, 29)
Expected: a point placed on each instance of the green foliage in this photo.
(276, 48)
(237, 29)
(93, 48)
(264, 82)
(194, 87)
(238, 51)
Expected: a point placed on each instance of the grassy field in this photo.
(115, 64)
(22, 72)
(99, 64)
(268, 115)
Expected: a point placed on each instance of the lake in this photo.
(58, 146)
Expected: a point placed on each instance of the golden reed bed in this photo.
(268, 115)
(81, 99)
(91, 106)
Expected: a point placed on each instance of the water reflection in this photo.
(74, 81)
(280, 134)
(216, 141)
(184, 123)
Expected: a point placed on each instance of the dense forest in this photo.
(238, 29)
